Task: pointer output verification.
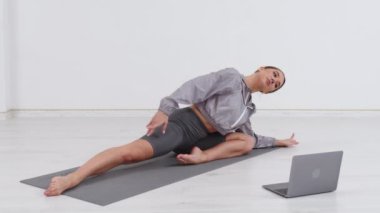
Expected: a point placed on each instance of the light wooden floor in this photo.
(33, 146)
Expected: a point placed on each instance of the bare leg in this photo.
(136, 151)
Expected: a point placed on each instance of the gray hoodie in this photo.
(223, 98)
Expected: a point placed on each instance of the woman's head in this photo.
(271, 79)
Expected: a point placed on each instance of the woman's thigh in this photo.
(211, 140)
(184, 130)
(165, 143)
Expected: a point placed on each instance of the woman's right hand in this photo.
(287, 142)
(158, 119)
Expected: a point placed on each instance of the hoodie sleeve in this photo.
(200, 88)
(261, 141)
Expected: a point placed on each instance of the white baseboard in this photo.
(4, 115)
(150, 112)
(79, 113)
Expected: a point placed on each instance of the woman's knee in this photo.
(136, 151)
(238, 136)
(248, 141)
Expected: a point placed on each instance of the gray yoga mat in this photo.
(128, 180)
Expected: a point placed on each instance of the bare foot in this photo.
(58, 185)
(196, 156)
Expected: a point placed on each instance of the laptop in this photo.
(310, 174)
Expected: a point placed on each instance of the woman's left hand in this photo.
(287, 142)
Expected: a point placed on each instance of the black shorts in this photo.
(184, 131)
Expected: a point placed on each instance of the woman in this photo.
(216, 126)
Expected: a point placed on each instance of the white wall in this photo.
(2, 70)
(4, 58)
(115, 54)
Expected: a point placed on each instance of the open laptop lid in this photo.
(314, 173)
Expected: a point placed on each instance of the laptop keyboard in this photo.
(282, 191)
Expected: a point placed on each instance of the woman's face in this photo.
(271, 79)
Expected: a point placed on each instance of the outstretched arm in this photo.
(265, 141)
(286, 142)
